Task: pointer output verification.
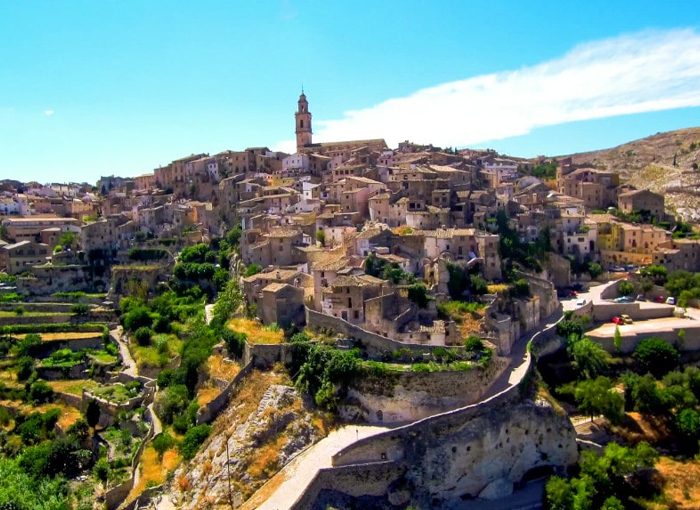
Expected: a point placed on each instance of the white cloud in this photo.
(49, 113)
(635, 73)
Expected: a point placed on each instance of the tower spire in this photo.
(302, 119)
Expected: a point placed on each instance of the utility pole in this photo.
(228, 469)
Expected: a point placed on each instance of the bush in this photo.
(101, 470)
(40, 392)
(143, 335)
(193, 439)
(625, 288)
(418, 293)
(137, 317)
(235, 342)
(252, 269)
(474, 344)
(80, 309)
(171, 402)
(656, 356)
(163, 442)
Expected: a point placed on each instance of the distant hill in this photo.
(649, 163)
(658, 149)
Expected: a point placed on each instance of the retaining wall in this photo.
(368, 466)
(266, 355)
(375, 345)
(208, 412)
(401, 397)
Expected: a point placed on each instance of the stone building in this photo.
(642, 200)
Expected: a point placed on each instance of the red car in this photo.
(660, 299)
(617, 320)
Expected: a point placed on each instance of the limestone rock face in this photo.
(497, 489)
(445, 461)
(492, 451)
(410, 396)
(279, 428)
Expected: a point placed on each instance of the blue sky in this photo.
(90, 88)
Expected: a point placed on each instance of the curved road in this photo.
(287, 486)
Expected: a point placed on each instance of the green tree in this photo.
(688, 425)
(418, 293)
(656, 356)
(625, 288)
(597, 396)
(193, 439)
(617, 340)
(321, 237)
(589, 358)
(595, 269)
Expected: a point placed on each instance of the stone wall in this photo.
(266, 355)
(210, 411)
(630, 339)
(401, 397)
(375, 345)
(603, 312)
(481, 449)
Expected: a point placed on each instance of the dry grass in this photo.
(266, 460)
(496, 288)
(637, 427)
(681, 485)
(221, 368)
(206, 395)
(73, 386)
(68, 335)
(256, 332)
(246, 400)
(154, 470)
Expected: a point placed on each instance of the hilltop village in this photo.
(348, 326)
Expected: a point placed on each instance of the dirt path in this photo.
(127, 359)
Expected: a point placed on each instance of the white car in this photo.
(580, 302)
(670, 300)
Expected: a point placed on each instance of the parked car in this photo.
(624, 299)
(659, 299)
(580, 302)
(640, 297)
(617, 320)
(670, 300)
(626, 319)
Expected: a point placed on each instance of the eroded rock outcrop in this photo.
(483, 457)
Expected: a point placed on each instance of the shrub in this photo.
(474, 344)
(101, 470)
(143, 335)
(171, 402)
(80, 309)
(193, 439)
(137, 317)
(625, 288)
(252, 269)
(418, 293)
(656, 356)
(163, 442)
(40, 392)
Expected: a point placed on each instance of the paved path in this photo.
(127, 359)
(299, 473)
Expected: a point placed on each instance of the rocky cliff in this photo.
(484, 458)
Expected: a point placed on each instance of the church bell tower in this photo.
(303, 122)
